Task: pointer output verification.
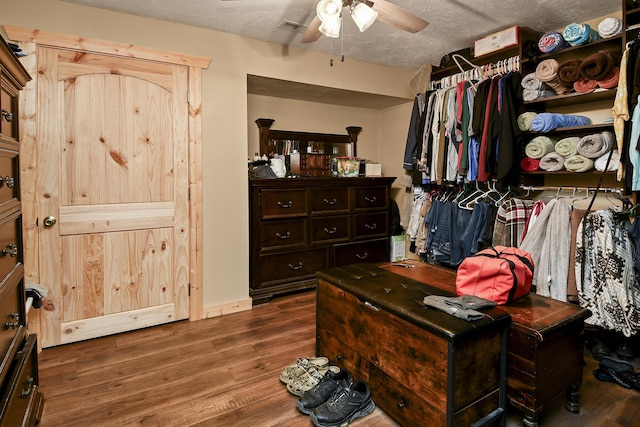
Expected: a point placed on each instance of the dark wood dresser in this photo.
(301, 225)
(545, 347)
(21, 403)
(424, 366)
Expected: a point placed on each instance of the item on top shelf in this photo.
(580, 34)
(530, 165)
(610, 27)
(539, 146)
(547, 72)
(569, 72)
(552, 162)
(546, 122)
(496, 41)
(614, 163)
(525, 119)
(600, 65)
(551, 41)
(595, 145)
(567, 146)
(578, 163)
(585, 86)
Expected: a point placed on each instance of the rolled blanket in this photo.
(539, 146)
(599, 65)
(567, 147)
(533, 94)
(579, 34)
(552, 162)
(614, 163)
(611, 81)
(569, 72)
(525, 119)
(578, 163)
(530, 81)
(546, 122)
(585, 86)
(547, 72)
(610, 27)
(530, 165)
(551, 41)
(595, 145)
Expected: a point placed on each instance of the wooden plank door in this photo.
(112, 193)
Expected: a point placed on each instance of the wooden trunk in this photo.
(421, 364)
(545, 346)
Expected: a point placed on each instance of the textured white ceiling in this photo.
(453, 24)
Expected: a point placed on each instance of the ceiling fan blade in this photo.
(398, 17)
(313, 33)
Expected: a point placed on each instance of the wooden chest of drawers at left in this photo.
(21, 402)
(301, 225)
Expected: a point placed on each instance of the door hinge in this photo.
(189, 290)
(188, 193)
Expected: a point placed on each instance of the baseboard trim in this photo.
(222, 309)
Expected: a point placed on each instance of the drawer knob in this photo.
(371, 199)
(8, 180)
(16, 321)
(362, 256)
(285, 205)
(7, 115)
(371, 226)
(332, 231)
(11, 249)
(283, 236)
(28, 388)
(296, 267)
(330, 202)
(401, 405)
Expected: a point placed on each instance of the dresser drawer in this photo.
(8, 109)
(366, 251)
(20, 398)
(371, 225)
(10, 244)
(283, 234)
(9, 186)
(283, 203)
(11, 319)
(296, 265)
(371, 197)
(330, 229)
(329, 200)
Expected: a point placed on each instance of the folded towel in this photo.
(530, 165)
(610, 27)
(595, 145)
(611, 81)
(579, 34)
(614, 163)
(539, 146)
(525, 119)
(585, 86)
(567, 147)
(530, 81)
(547, 72)
(546, 122)
(533, 94)
(551, 41)
(599, 65)
(578, 163)
(569, 72)
(552, 162)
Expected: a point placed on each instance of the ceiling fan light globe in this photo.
(329, 9)
(331, 27)
(363, 16)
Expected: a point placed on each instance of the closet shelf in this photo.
(608, 43)
(585, 130)
(572, 98)
(566, 172)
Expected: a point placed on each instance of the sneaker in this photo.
(348, 403)
(319, 394)
(309, 380)
(301, 367)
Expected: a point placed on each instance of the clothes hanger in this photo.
(455, 57)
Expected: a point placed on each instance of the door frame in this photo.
(29, 40)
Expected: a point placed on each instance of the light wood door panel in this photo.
(113, 170)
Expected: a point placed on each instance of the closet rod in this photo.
(569, 188)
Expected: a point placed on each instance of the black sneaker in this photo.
(319, 394)
(348, 402)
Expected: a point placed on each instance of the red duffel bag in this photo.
(501, 274)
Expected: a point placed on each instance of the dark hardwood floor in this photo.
(224, 372)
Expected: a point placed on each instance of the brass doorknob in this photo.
(49, 221)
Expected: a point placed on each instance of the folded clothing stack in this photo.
(601, 69)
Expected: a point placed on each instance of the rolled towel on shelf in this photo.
(547, 72)
(530, 81)
(552, 41)
(569, 72)
(552, 162)
(533, 94)
(567, 147)
(611, 81)
(585, 86)
(530, 165)
(546, 122)
(579, 34)
(539, 146)
(595, 145)
(525, 119)
(599, 65)
(610, 27)
(614, 163)
(578, 163)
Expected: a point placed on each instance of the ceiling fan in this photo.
(328, 19)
